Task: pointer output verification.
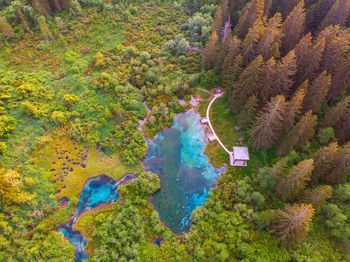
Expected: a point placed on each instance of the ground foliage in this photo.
(84, 73)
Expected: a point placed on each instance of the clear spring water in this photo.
(96, 192)
(177, 156)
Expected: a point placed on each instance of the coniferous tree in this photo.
(315, 14)
(231, 49)
(266, 90)
(336, 46)
(317, 92)
(287, 6)
(230, 74)
(253, 11)
(5, 28)
(341, 166)
(271, 36)
(341, 78)
(285, 71)
(267, 7)
(210, 51)
(269, 123)
(323, 162)
(247, 114)
(305, 129)
(295, 105)
(337, 15)
(343, 134)
(289, 187)
(292, 224)
(318, 196)
(293, 28)
(308, 58)
(336, 115)
(218, 22)
(248, 83)
(279, 168)
(250, 43)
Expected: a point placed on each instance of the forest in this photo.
(85, 85)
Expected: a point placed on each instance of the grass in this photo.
(203, 108)
(218, 156)
(203, 94)
(224, 123)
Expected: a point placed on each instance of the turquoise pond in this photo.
(177, 156)
(97, 191)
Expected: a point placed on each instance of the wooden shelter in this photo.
(239, 156)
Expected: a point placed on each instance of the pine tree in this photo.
(5, 28)
(323, 162)
(247, 114)
(267, 85)
(317, 92)
(231, 73)
(209, 53)
(231, 48)
(343, 134)
(250, 43)
(317, 197)
(269, 123)
(267, 7)
(278, 169)
(336, 46)
(341, 166)
(336, 115)
(271, 35)
(305, 128)
(341, 78)
(293, 28)
(248, 83)
(288, 6)
(295, 105)
(285, 71)
(337, 15)
(253, 11)
(289, 187)
(315, 14)
(308, 58)
(218, 22)
(292, 224)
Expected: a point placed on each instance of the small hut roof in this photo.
(240, 153)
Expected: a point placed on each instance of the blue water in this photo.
(96, 191)
(158, 241)
(177, 156)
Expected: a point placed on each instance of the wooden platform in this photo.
(211, 137)
(204, 120)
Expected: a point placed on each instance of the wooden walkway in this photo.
(211, 127)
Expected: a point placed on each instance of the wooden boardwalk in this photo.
(211, 127)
